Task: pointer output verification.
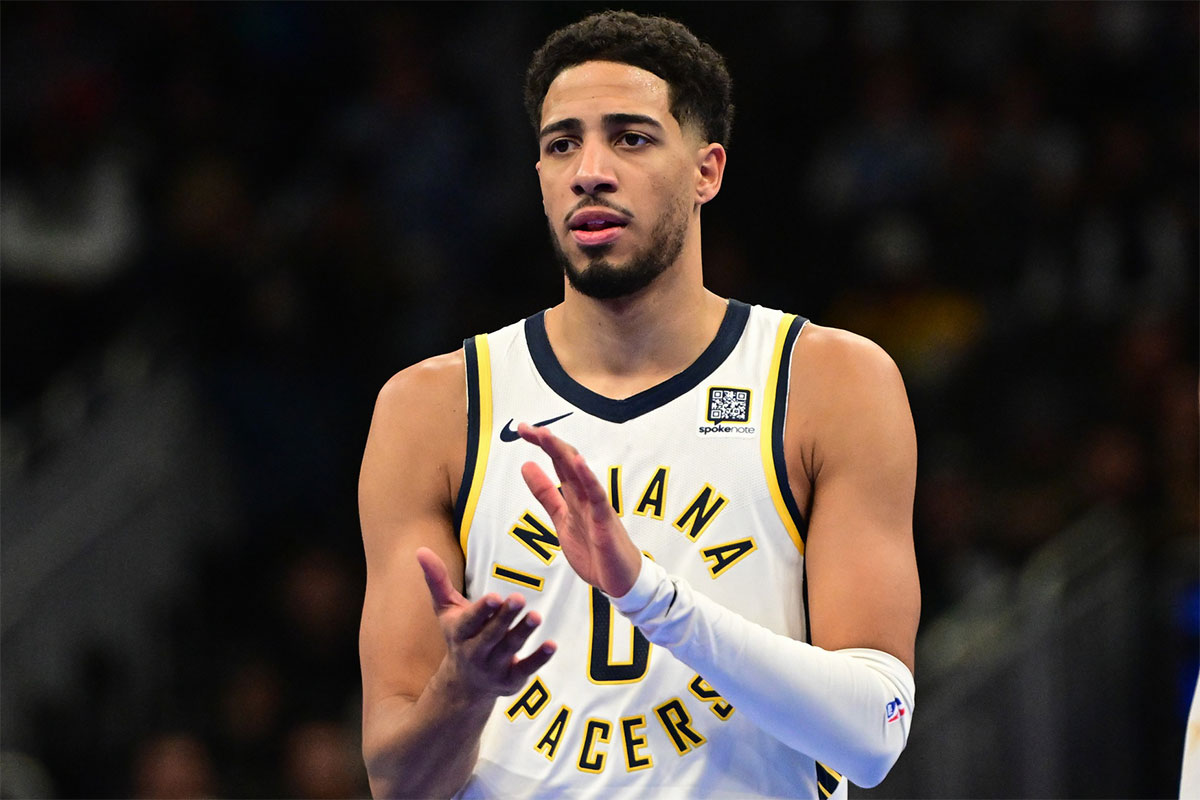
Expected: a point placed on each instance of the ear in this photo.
(710, 169)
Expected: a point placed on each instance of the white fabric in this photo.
(759, 576)
(1189, 777)
(834, 706)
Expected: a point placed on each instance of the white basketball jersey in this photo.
(695, 470)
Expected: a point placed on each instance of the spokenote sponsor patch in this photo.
(725, 411)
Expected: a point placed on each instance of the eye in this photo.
(560, 146)
(631, 139)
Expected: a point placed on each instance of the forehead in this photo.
(594, 88)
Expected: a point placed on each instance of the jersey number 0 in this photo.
(601, 667)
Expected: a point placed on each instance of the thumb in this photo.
(437, 578)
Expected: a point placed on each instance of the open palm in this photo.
(592, 537)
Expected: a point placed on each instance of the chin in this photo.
(592, 252)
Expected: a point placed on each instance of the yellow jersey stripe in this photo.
(827, 780)
(484, 364)
(766, 436)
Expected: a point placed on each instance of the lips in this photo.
(596, 226)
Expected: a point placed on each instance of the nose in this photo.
(594, 170)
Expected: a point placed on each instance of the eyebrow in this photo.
(574, 125)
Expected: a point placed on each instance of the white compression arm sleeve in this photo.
(849, 709)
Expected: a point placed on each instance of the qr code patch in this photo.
(727, 404)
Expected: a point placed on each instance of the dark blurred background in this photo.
(224, 226)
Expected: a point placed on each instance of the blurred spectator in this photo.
(249, 726)
(173, 766)
(322, 762)
(71, 220)
(318, 599)
(24, 777)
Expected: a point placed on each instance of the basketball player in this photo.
(724, 588)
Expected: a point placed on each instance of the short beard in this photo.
(601, 279)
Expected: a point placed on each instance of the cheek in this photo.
(547, 197)
(672, 188)
(682, 177)
(665, 183)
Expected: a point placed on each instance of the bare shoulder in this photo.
(426, 386)
(845, 390)
(430, 397)
(842, 361)
(418, 432)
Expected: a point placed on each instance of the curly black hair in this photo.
(700, 90)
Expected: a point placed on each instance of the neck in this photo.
(620, 347)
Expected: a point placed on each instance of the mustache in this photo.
(594, 201)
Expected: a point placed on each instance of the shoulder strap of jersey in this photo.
(479, 433)
(771, 438)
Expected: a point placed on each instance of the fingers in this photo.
(491, 650)
(578, 477)
(437, 578)
(521, 670)
(561, 454)
(488, 617)
(542, 437)
(513, 639)
(591, 488)
(572, 470)
(474, 618)
(544, 490)
(498, 624)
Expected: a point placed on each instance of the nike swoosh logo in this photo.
(507, 434)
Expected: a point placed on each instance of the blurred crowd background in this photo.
(224, 226)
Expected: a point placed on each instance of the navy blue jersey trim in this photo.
(827, 780)
(606, 408)
(781, 397)
(804, 594)
(464, 490)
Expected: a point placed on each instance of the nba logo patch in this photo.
(726, 412)
(895, 710)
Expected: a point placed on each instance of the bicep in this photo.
(400, 644)
(863, 589)
(404, 504)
